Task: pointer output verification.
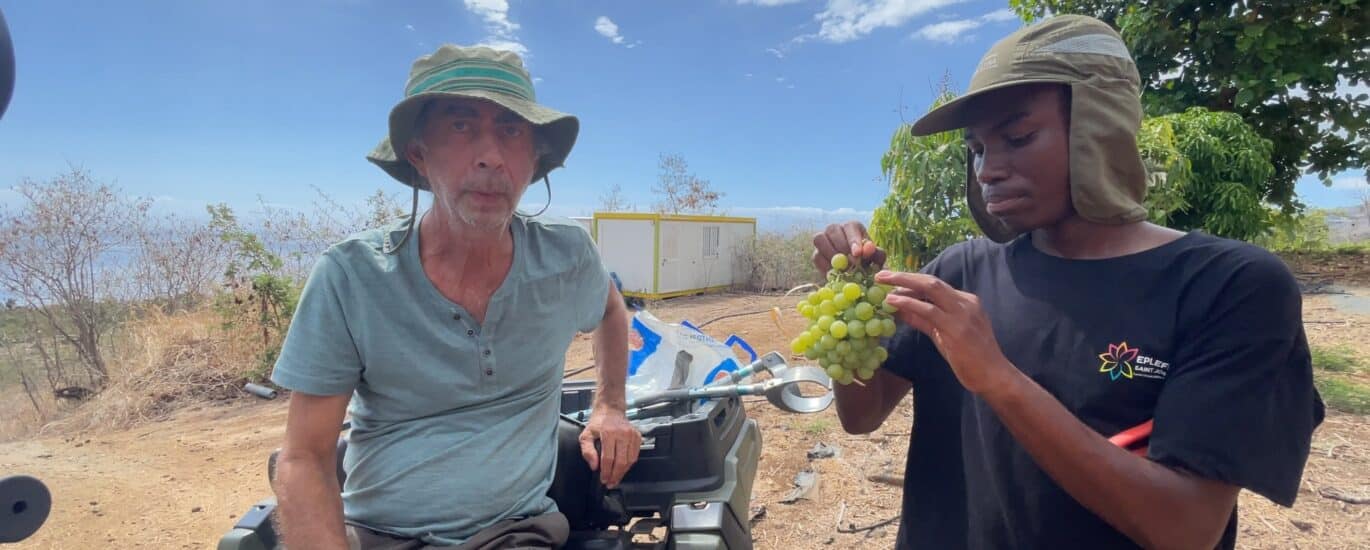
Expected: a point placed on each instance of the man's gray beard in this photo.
(483, 224)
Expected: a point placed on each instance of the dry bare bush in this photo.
(179, 262)
(298, 237)
(776, 261)
(59, 251)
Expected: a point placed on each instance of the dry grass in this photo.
(160, 363)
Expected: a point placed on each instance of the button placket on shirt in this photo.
(485, 357)
(487, 348)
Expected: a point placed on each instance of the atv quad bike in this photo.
(690, 488)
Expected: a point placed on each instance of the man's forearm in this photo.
(310, 505)
(1150, 503)
(611, 357)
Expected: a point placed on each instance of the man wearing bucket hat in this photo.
(444, 335)
(1081, 378)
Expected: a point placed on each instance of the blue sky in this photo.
(785, 105)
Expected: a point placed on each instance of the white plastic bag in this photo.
(667, 355)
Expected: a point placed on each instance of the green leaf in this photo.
(1245, 96)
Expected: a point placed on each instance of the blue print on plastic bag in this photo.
(650, 340)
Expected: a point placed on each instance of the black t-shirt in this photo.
(1204, 335)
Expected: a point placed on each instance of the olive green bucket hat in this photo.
(477, 73)
(1107, 176)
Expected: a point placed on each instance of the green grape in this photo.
(828, 342)
(839, 262)
(864, 311)
(875, 327)
(857, 331)
(846, 378)
(848, 317)
(841, 302)
(838, 329)
(852, 291)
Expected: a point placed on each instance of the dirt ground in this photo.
(181, 483)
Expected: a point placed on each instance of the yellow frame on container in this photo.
(656, 220)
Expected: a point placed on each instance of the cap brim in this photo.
(954, 115)
(559, 129)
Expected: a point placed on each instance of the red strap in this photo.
(1132, 436)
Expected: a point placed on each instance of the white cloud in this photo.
(495, 13)
(777, 53)
(947, 31)
(1000, 16)
(749, 75)
(951, 32)
(769, 3)
(410, 27)
(847, 20)
(780, 79)
(1354, 183)
(606, 28)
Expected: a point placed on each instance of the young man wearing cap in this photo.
(1077, 320)
(447, 335)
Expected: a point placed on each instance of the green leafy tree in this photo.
(925, 211)
(258, 291)
(1277, 64)
(1209, 171)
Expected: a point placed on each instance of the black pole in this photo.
(6, 65)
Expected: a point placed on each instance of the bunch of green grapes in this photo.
(848, 316)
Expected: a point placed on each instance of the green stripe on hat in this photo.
(512, 83)
(472, 85)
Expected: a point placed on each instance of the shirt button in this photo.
(487, 353)
(489, 372)
(456, 316)
(470, 332)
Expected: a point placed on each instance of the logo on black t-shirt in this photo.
(1121, 361)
